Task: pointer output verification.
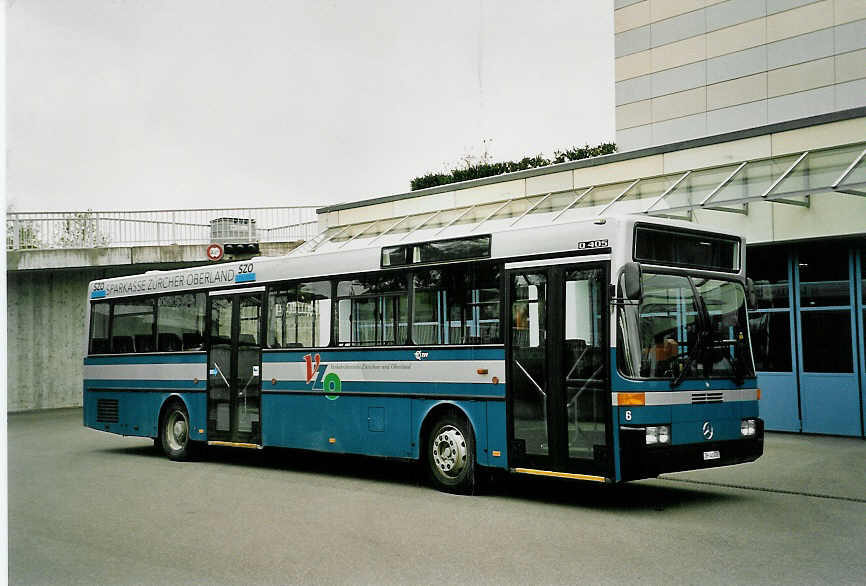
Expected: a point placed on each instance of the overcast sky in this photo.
(161, 104)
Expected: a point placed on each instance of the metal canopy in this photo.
(792, 179)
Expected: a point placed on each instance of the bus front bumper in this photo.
(641, 461)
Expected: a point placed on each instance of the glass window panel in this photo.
(368, 285)
(411, 223)
(394, 256)
(771, 341)
(753, 180)
(181, 322)
(250, 318)
(528, 309)
(602, 195)
(558, 201)
(516, 207)
(767, 266)
(583, 360)
(529, 387)
(464, 248)
(664, 334)
(686, 249)
(444, 218)
(823, 269)
(647, 188)
(826, 338)
(857, 177)
(300, 315)
(132, 326)
(818, 170)
(478, 214)
(220, 322)
(695, 188)
(457, 305)
(376, 313)
(352, 232)
(99, 327)
(863, 275)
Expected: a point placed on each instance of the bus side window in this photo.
(99, 327)
(180, 322)
(457, 305)
(373, 310)
(132, 321)
(300, 315)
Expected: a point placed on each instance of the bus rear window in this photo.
(686, 249)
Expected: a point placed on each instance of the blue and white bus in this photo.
(605, 349)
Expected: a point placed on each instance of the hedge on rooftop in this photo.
(483, 169)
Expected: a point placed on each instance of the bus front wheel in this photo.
(174, 432)
(451, 455)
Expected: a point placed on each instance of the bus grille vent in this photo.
(106, 411)
(707, 397)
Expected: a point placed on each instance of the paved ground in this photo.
(91, 508)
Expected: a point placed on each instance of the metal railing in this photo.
(96, 229)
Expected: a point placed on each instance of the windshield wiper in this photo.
(702, 322)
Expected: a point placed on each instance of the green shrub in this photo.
(479, 170)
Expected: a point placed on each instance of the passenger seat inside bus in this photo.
(192, 341)
(122, 344)
(144, 343)
(169, 343)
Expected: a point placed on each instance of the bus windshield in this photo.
(685, 327)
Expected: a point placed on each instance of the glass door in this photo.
(559, 389)
(234, 367)
(829, 382)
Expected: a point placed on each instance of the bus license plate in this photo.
(714, 455)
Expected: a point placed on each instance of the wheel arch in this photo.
(437, 410)
(168, 400)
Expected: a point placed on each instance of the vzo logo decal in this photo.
(330, 383)
(421, 355)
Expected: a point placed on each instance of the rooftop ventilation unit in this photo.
(233, 230)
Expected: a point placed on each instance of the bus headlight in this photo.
(747, 427)
(658, 434)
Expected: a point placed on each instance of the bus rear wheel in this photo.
(174, 432)
(451, 455)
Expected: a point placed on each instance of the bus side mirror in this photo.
(751, 294)
(631, 278)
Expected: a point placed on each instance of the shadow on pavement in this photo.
(636, 496)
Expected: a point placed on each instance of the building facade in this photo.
(795, 189)
(691, 68)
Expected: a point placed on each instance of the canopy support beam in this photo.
(619, 197)
(529, 211)
(572, 204)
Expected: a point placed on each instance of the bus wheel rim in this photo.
(449, 451)
(177, 431)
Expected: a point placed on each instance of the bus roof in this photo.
(331, 254)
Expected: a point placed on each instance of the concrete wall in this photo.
(46, 296)
(691, 68)
(44, 333)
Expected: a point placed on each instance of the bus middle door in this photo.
(234, 366)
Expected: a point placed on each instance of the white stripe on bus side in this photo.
(145, 371)
(444, 371)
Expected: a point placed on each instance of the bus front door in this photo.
(234, 366)
(558, 383)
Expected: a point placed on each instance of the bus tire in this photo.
(174, 432)
(450, 450)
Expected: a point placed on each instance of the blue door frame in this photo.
(829, 401)
(818, 402)
(860, 331)
(780, 391)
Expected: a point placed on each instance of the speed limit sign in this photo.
(214, 252)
